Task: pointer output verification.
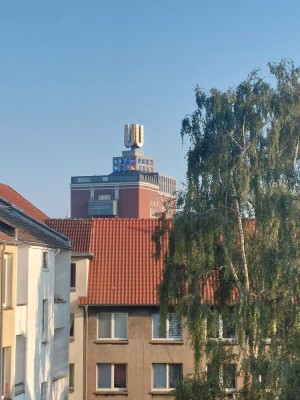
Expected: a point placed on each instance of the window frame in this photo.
(112, 326)
(221, 373)
(112, 378)
(7, 280)
(73, 276)
(45, 321)
(5, 372)
(72, 326)
(168, 367)
(43, 390)
(167, 328)
(219, 321)
(45, 259)
(71, 377)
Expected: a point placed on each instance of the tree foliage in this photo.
(238, 229)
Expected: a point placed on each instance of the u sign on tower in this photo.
(134, 136)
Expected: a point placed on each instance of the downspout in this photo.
(1, 310)
(85, 349)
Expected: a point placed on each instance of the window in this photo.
(45, 321)
(8, 280)
(20, 361)
(5, 372)
(73, 276)
(112, 326)
(72, 326)
(166, 376)
(44, 391)
(225, 376)
(45, 260)
(221, 327)
(172, 328)
(112, 376)
(71, 377)
(229, 377)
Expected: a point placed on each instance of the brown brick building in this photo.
(132, 190)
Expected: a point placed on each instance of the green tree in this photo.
(237, 230)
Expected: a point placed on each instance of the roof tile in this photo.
(10, 195)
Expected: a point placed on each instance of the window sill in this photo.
(45, 269)
(71, 339)
(59, 301)
(73, 289)
(111, 392)
(161, 392)
(167, 341)
(231, 391)
(110, 341)
(71, 390)
(224, 340)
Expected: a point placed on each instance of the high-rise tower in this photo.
(132, 190)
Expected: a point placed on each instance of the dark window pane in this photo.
(174, 375)
(120, 376)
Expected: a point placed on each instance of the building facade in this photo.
(118, 350)
(35, 308)
(132, 190)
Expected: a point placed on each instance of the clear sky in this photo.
(73, 72)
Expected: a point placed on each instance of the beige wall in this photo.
(139, 353)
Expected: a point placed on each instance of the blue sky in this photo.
(74, 72)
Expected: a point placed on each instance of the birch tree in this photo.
(237, 230)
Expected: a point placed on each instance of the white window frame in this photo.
(5, 372)
(219, 332)
(156, 320)
(7, 280)
(112, 378)
(221, 377)
(167, 388)
(112, 326)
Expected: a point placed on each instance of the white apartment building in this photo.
(35, 308)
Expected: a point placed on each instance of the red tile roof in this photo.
(9, 194)
(210, 290)
(124, 270)
(77, 230)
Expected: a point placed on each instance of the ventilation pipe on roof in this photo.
(1, 308)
